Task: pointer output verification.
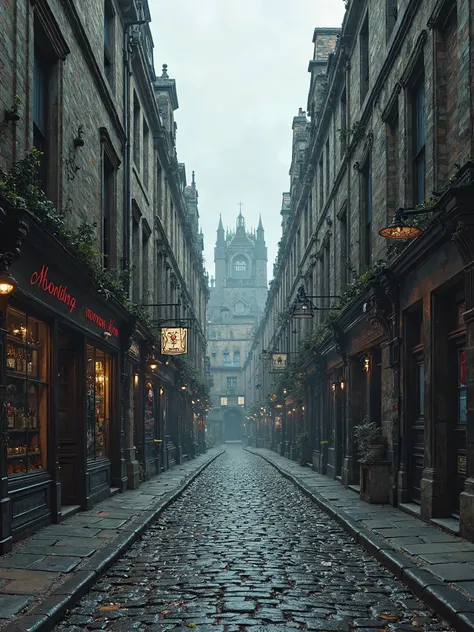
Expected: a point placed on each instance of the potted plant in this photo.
(374, 471)
(370, 444)
(302, 446)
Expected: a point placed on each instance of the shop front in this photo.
(62, 365)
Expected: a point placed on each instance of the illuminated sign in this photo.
(278, 362)
(102, 322)
(58, 291)
(174, 341)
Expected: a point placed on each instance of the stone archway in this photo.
(233, 419)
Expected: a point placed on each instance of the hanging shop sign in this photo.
(279, 361)
(174, 341)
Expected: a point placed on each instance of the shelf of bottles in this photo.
(98, 402)
(27, 379)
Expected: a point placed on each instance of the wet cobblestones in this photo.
(243, 549)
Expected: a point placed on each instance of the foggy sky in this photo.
(241, 73)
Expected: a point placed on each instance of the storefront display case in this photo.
(27, 379)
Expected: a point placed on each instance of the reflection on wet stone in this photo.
(242, 549)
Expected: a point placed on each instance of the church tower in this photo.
(236, 304)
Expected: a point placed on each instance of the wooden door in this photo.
(69, 452)
(417, 414)
(458, 463)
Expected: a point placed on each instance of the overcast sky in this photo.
(241, 73)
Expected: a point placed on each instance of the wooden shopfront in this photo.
(63, 348)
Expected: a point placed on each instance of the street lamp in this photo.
(397, 229)
(303, 308)
(7, 283)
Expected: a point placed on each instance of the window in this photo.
(392, 15)
(108, 210)
(27, 378)
(108, 40)
(366, 219)
(135, 257)
(240, 265)
(343, 245)
(136, 131)
(231, 382)
(392, 132)
(418, 107)
(41, 80)
(241, 401)
(223, 401)
(327, 168)
(321, 184)
(146, 142)
(237, 357)
(146, 267)
(343, 119)
(226, 357)
(98, 382)
(462, 386)
(364, 59)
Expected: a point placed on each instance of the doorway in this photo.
(233, 425)
(70, 447)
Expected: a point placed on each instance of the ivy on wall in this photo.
(20, 187)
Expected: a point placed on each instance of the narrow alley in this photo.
(243, 549)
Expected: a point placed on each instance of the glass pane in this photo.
(462, 406)
(150, 420)
(420, 116)
(101, 403)
(27, 375)
(421, 390)
(90, 402)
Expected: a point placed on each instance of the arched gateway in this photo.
(233, 424)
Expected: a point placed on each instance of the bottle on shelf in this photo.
(11, 360)
(29, 365)
(32, 418)
(10, 416)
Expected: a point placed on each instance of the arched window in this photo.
(240, 265)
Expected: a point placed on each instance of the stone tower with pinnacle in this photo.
(237, 301)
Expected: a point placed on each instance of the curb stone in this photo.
(450, 604)
(44, 616)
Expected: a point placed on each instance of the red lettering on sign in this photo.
(58, 291)
(101, 322)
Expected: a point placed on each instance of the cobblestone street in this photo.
(243, 549)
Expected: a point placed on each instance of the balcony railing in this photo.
(231, 363)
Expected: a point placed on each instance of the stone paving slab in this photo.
(50, 571)
(437, 566)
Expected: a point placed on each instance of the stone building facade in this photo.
(389, 127)
(114, 252)
(237, 299)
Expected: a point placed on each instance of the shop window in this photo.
(462, 386)
(241, 401)
(27, 377)
(98, 403)
(223, 401)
